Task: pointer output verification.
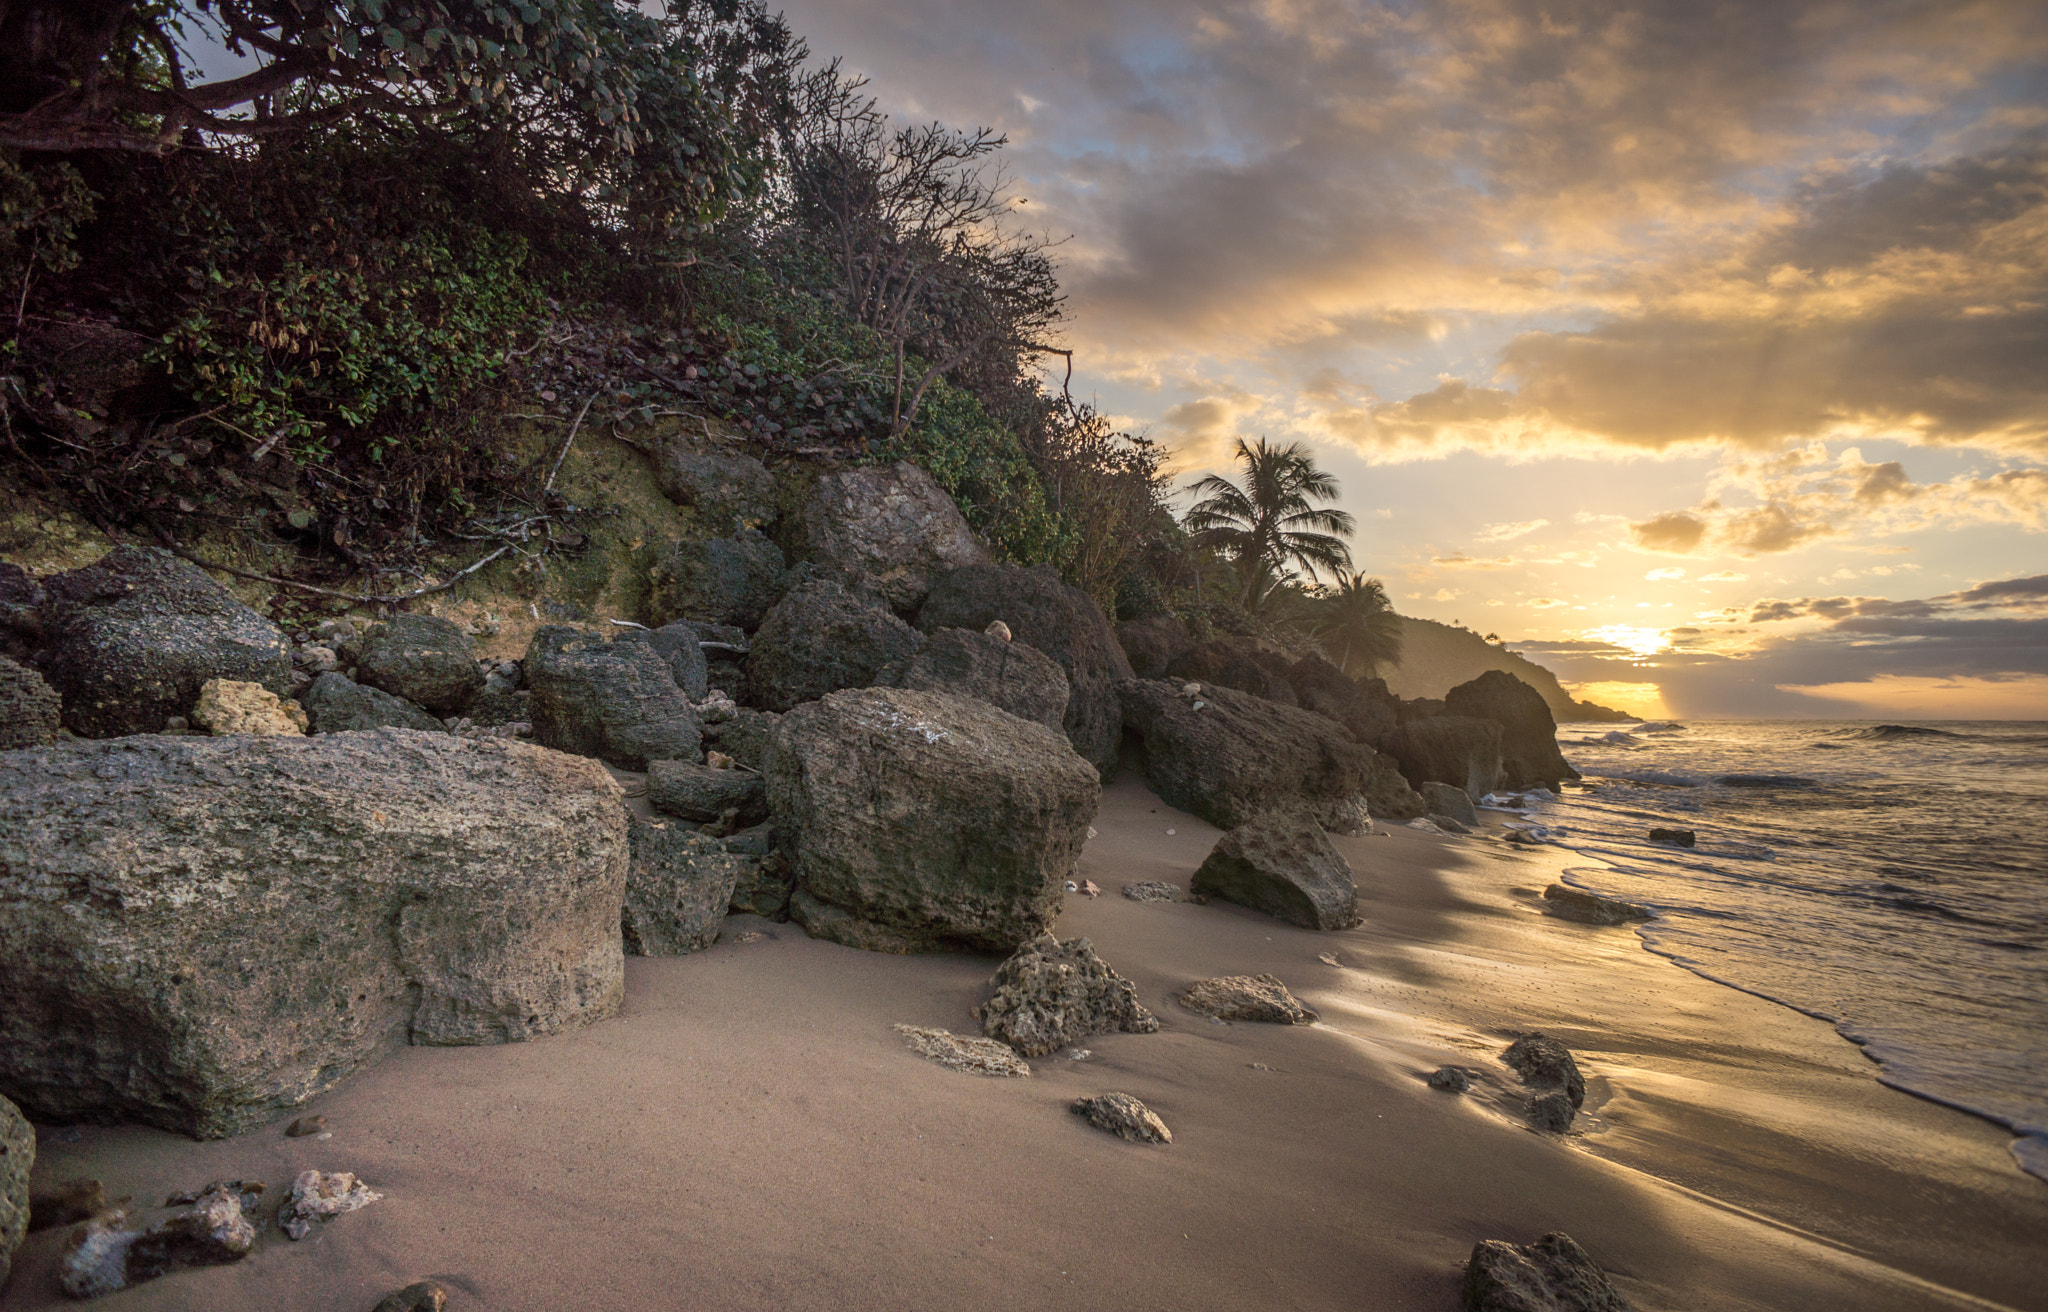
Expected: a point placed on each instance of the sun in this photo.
(1640, 644)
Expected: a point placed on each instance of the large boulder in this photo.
(919, 821)
(697, 792)
(1015, 676)
(1528, 735)
(732, 581)
(1234, 663)
(1228, 756)
(680, 647)
(1282, 864)
(425, 659)
(337, 704)
(1448, 749)
(892, 529)
(677, 889)
(1060, 621)
(135, 635)
(203, 932)
(1389, 796)
(1323, 688)
(1153, 643)
(29, 707)
(728, 492)
(821, 638)
(17, 1157)
(1450, 800)
(1050, 994)
(614, 700)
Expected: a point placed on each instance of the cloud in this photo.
(1508, 532)
(1659, 575)
(2027, 592)
(1674, 531)
(1459, 560)
(1724, 576)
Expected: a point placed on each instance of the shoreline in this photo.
(750, 1133)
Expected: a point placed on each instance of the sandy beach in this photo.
(750, 1132)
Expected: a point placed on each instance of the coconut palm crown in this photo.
(1358, 619)
(1270, 522)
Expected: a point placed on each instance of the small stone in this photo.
(1679, 837)
(1190, 689)
(232, 706)
(1553, 1274)
(177, 724)
(718, 760)
(998, 629)
(1451, 1079)
(1089, 888)
(66, 1203)
(318, 1197)
(1079, 1054)
(1123, 1116)
(1550, 1111)
(304, 1126)
(1170, 833)
(426, 1296)
(1247, 997)
(1152, 890)
(1091, 831)
(960, 1053)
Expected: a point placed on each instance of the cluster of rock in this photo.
(1556, 1088)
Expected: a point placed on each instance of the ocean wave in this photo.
(1663, 778)
(1765, 781)
(1658, 726)
(1892, 732)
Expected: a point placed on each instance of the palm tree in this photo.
(1358, 616)
(1269, 522)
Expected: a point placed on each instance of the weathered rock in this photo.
(1553, 1274)
(1058, 620)
(1589, 908)
(229, 706)
(1546, 1067)
(1323, 688)
(763, 888)
(1233, 663)
(1445, 825)
(1388, 796)
(958, 1052)
(1239, 756)
(1528, 734)
(1123, 1116)
(744, 735)
(29, 707)
(1051, 994)
(1450, 800)
(1447, 749)
(1677, 837)
(1551, 1111)
(305, 1127)
(730, 581)
(21, 612)
(1247, 997)
(821, 638)
(892, 528)
(218, 1227)
(1153, 643)
(677, 889)
(679, 646)
(700, 793)
(423, 658)
(202, 933)
(919, 821)
(612, 700)
(1281, 863)
(1451, 1079)
(421, 1296)
(1014, 676)
(17, 1159)
(728, 492)
(135, 636)
(318, 1197)
(336, 704)
(1152, 890)
(66, 1203)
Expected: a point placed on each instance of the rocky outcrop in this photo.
(1228, 756)
(1012, 676)
(918, 821)
(1553, 1274)
(728, 492)
(17, 1158)
(1060, 621)
(1123, 1116)
(135, 636)
(1051, 994)
(335, 704)
(733, 581)
(1260, 998)
(1528, 735)
(821, 638)
(1323, 688)
(1153, 643)
(677, 889)
(1450, 800)
(1589, 908)
(227, 706)
(697, 792)
(1557, 1090)
(1448, 749)
(893, 530)
(425, 659)
(1282, 864)
(613, 700)
(679, 647)
(29, 707)
(743, 734)
(1234, 663)
(204, 932)
(1388, 796)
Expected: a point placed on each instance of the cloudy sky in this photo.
(1700, 348)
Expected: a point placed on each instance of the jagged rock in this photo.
(1553, 1274)
(698, 792)
(892, 529)
(1153, 643)
(421, 1296)
(763, 888)
(1234, 663)
(425, 659)
(679, 646)
(612, 700)
(1528, 734)
(229, 706)
(336, 704)
(1281, 863)
(1450, 800)
(1239, 756)
(677, 889)
(1058, 620)
(106, 1256)
(728, 581)
(29, 707)
(728, 492)
(1247, 997)
(1551, 1111)
(821, 638)
(1388, 796)
(1013, 676)
(1152, 890)
(1547, 1068)
(318, 1197)
(135, 636)
(1123, 1116)
(17, 1158)
(203, 932)
(1449, 749)
(958, 1052)
(1051, 994)
(1677, 837)
(1451, 1079)
(1323, 688)
(744, 735)
(1590, 909)
(919, 821)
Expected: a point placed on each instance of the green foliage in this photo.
(41, 208)
(984, 468)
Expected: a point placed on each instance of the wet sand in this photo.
(750, 1133)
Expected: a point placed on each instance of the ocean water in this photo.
(1891, 879)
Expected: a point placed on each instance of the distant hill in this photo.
(1436, 658)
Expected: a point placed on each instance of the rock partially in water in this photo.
(1591, 909)
(1051, 994)
(1247, 997)
(318, 1197)
(959, 1052)
(1553, 1274)
(1123, 1116)
(1281, 863)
